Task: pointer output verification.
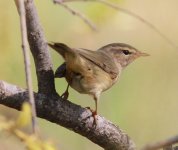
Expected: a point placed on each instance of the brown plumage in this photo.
(92, 72)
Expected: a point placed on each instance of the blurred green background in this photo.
(144, 103)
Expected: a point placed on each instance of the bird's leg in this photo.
(94, 112)
(65, 95)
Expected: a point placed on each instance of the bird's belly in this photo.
(100, 81)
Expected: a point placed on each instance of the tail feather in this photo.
(60, 48)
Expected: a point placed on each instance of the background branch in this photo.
(80, 15)
(132, 14)
(162, 144)
(21, 10)
(70, 116)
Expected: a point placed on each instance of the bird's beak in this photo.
(143, 54)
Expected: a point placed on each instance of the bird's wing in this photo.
(102, 60)
(99, 58)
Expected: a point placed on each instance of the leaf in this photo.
(25, 116)
(48, 146)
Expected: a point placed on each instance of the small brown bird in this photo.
(92, 72)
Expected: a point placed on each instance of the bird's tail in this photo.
(61, 48)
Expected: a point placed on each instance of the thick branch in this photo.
(70, 116)
(39, 48)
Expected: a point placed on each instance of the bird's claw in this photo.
(93, 114)
(65, 95)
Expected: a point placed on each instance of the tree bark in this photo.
(70, 116)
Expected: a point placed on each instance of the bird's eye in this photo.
(126, 52)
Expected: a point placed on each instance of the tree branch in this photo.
(22, 14)
(70, 116)
(39, 49)
(132, 14)
(77, 13)
(161, 144)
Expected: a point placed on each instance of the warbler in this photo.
(92, 72)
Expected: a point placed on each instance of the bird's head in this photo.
(124, 54)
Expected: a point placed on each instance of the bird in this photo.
(93, 72)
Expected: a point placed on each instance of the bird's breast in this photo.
(90, 81)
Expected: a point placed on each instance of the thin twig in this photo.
(22, 14)
(74, 12)
(161, 144)
(130, 13)
(114, 6)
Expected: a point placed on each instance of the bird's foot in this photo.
(94, 115)
(65, 95)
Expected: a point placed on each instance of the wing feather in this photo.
(102, 60)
